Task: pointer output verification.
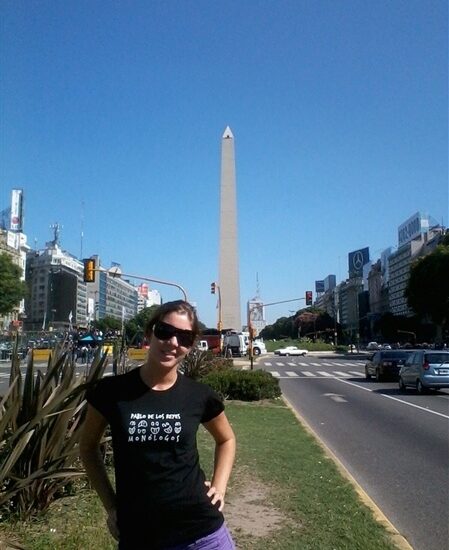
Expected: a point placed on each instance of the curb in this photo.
(400, 541)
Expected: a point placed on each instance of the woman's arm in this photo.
(221, 431)
(93, 429)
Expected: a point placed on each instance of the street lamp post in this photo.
(116, 272)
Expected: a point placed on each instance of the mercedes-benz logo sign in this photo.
(357, 260)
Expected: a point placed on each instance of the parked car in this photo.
(385, 364)
(372, 345)
(290, 350)
(425, 369)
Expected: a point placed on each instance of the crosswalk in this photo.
(322, 364)
(310, 370)
(317, 374)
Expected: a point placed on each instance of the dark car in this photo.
(425, 369)
(386, 364)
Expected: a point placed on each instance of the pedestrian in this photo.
(162, 499)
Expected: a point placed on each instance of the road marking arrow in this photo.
(336, 397)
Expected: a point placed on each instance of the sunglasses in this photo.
(164, 331)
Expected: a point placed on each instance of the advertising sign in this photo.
(357, 260)
(16, 209)
(412, 228)
(143, 290)
(319, 286)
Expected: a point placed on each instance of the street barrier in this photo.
(135, 354)
(41, 354)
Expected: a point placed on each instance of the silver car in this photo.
(425, 369)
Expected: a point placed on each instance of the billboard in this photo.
(357, 260)
(16, 210)
(412, 228)
(319, 286)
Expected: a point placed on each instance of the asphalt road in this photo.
(396, 446)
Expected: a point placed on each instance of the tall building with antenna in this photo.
(228, 263)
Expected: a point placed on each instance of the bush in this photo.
(200, 363)
(243, 385)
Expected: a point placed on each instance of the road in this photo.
(5, 367)
(396, 446)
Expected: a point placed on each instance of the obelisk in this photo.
(229, 263)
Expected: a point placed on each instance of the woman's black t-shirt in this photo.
(161, 496)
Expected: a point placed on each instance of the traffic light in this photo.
(212, 288)
(89, 270)
(308, 297)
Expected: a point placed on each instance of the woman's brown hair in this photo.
(177, 306)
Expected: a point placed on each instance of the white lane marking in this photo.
(315, 364)
(303, 364)
(341, 373)
(292, 364)
(326, 364)
(336, 397)
(334, 364)
(308, 373)
(290, 373)
(267, 364)
(324, 373)
(275, 373)
(280, 364)
(355, 373)
(394, 398)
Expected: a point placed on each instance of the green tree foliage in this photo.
(428, 286)
(12, 289)
(135, 327)
(107, 323)
(303, 322)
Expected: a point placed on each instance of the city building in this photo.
(348, 305)
(58, 295)
(14, 245)
(111, 296)
(147, 297)
(415, 239)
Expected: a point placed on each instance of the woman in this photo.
(162, 500)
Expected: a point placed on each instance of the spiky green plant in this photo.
(198, 364)
(40, 421)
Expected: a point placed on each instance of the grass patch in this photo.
(319, 509)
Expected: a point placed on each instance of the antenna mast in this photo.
(82, 228)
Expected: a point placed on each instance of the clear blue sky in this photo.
(339, 112)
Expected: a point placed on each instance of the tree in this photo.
(107, 323)
(12, 289)
(135, 327)
(427, 291)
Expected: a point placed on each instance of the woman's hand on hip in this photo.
(215, 496)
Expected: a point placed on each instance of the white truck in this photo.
(236, 344)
